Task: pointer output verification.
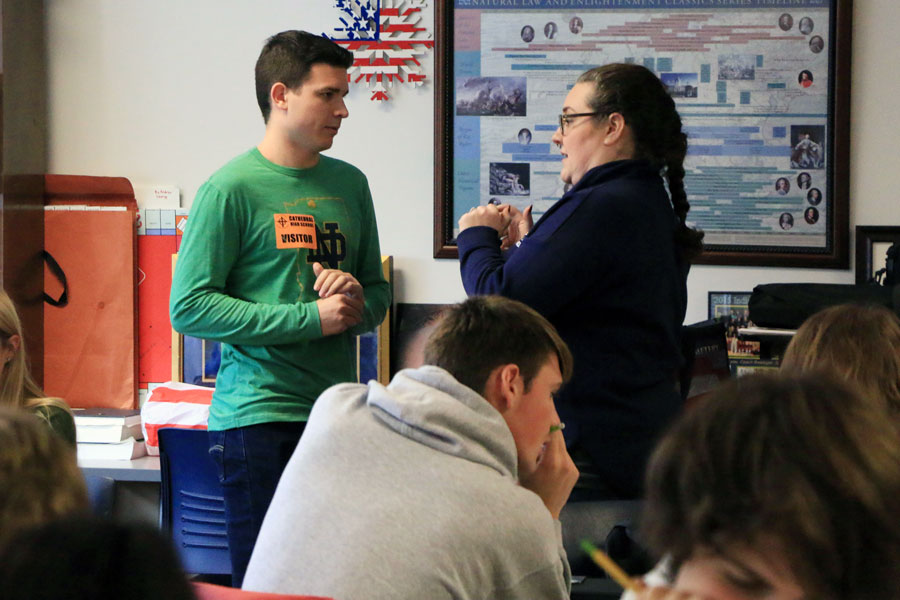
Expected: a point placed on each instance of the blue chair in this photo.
(192, 508)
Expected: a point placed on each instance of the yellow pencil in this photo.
(607, 564)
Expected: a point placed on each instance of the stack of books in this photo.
(109, 434)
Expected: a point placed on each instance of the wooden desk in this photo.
(137, 486)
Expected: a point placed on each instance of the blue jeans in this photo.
(250, 461)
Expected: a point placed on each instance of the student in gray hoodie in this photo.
(447, 483)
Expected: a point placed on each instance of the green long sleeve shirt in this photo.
(244, 277)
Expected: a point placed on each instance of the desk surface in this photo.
(145, 468)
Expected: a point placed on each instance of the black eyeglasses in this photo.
(564, 119)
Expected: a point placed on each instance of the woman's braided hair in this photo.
(638, 95)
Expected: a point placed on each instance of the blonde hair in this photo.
(39, 475)
(858, 343)
(17, 387)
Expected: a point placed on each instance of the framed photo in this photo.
(762, 90)
(872, 243)
(732, 308)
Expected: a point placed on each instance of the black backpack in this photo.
(787, 305)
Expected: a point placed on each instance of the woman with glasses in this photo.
(17, 388)
(607, 264)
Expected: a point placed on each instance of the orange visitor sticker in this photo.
(295, 231)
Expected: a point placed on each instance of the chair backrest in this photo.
(191, 504)
(209, 591)
(705, 351)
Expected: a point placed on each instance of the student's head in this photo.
(857, 343)
(474, 337)
(89, 558)
(778, 487)
(635, 117)
(39, 477)
(16, 384)
(289, 57)
(512, 356)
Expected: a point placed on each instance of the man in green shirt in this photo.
(281, 264)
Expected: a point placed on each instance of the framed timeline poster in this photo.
(762, 87)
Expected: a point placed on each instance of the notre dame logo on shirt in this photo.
(331, 248)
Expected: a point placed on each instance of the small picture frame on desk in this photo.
(732, 307)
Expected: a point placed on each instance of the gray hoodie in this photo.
(407, 491)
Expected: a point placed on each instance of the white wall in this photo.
(162, 92)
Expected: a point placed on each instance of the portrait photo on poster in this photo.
(814, 196)
(576, 25)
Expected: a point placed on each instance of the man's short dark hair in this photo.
(485, 332)
(288, 57)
